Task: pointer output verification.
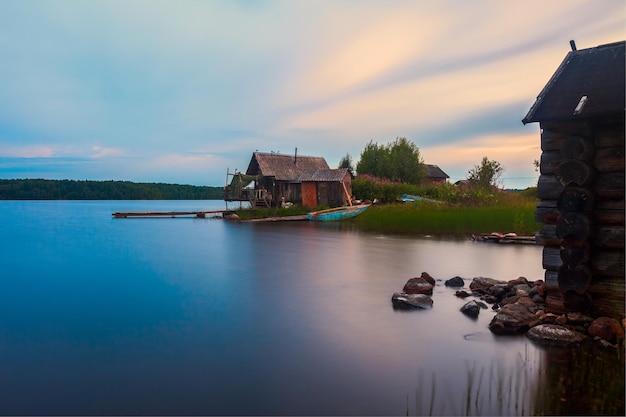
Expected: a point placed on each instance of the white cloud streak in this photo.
(157, 81)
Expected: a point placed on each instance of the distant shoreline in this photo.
(43, 189)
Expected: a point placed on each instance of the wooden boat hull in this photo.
(336, 214)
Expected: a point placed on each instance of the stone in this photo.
(418, 286)
(462, 294)
(606, 328)
(471, 309)
(406, 301)
(455, 282)
(578, 318)
(428, 278)
(513, 319)
(555, 335)
(482, 283)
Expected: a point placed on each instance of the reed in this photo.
(426, 218)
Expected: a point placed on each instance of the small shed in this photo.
(278, 175)
(328, 187)
(435, 175)
(581, 187)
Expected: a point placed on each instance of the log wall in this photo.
(581, 192)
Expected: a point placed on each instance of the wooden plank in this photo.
(123, 215)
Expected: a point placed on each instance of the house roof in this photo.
(435, 172)
(324, 175)
(588, 83)
(283, 167)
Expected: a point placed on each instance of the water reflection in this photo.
(203, 316)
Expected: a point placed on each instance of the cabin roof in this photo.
(324, 175)
(588, 83)
(283, 167)
(435, 172)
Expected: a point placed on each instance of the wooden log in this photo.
(608, 297)
(555, 302)
(608, 185)
(569, 128)
(577, 147)
(609, 136)
(575, 279)
(549, 187)
(609, 262)
(572, 301)
(574, 252)
(611, 237)
(547, 236)
(608, 217)
(546, 212)
(575, 225)
(551, 140)
(549, 162)
(551, 258)
(574, 172)
(609, 159)
(575, 199)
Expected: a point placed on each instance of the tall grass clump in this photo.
(455, 211)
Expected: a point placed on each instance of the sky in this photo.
(182, 91)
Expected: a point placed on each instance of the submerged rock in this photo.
(513, 319)
(418, 285)
(471, 309)
(455, 282)
(403, 300)
(555, 335)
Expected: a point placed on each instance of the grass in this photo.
(442, 220)
(459, 211)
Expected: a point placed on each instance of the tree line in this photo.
(42, 189)
(400, 162)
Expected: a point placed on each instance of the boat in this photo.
(338, 213)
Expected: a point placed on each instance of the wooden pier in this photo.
(171, 214)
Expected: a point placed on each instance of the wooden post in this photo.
(346, 191)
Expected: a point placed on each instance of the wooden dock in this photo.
(170, 214)
(503, 238)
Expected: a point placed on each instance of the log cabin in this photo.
(278, 178)
(580, 112)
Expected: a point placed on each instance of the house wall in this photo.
(309, 194)
(581, 192)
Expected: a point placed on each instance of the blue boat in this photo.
(339, 213)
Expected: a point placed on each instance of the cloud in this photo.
(113, 88)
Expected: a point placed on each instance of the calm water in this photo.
(203, 316)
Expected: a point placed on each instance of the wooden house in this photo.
(277, 178)
(581, 187)
(435, 175)
(326, 187)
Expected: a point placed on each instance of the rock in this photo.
(462, 294)
(455, 282)
(498, 291)
(482, 283)
(471, 309)
(555, 335)
(562, 320)
(519, 281)
(606, 328)
(233, 216)
(513, 319)
(578, 318)
(418, 286)
(428, 278)
(402, 300)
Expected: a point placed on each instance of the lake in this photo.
(205, 316)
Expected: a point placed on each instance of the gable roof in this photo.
(324, 175)
(588, 83)
(283, 167)
(435, 172)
